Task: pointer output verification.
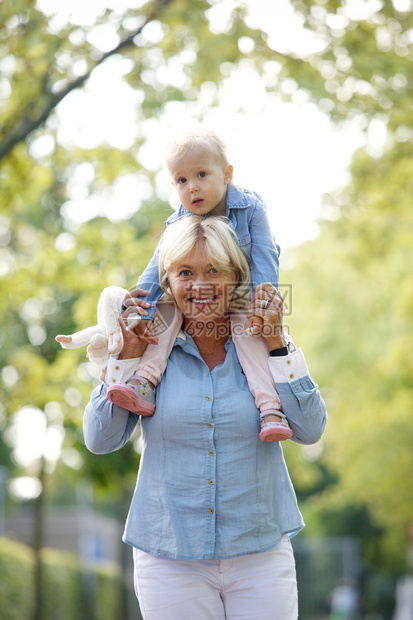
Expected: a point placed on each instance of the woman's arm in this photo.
(300, 398)
(106, 427)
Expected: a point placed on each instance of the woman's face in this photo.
(201, 292)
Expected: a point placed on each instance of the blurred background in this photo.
(315, 102)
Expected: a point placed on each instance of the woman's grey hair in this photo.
(221, 245)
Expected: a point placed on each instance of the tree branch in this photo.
(28, 125)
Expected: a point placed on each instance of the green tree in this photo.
(352, 286)
(53, 268)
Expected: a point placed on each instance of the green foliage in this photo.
(352, 287)
(106, 604)
(51, 283)
(365, 66)
(352, 290)
(63, 585)
(16, 581)
(358, 306)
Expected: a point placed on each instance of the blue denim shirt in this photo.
(207, 487)
(247, 214)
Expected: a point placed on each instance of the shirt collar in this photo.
(185, 341)
(236, 198)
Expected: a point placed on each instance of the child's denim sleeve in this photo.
(149, 281)
(264, 251)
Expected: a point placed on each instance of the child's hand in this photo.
(138, 305)
(253, 325)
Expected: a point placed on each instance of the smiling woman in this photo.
(210, 494)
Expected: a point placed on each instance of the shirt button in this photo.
(291, 376)
(211, 453)
(288, 362)
(117, 367)
(211, 482)
(113, 380)
(210, 425)
(208, 398)
(211, 511)
(208, 373)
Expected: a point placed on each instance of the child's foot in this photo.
(274, 427)
(135, 396)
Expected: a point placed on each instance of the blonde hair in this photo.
(205, 140)
(221, 245)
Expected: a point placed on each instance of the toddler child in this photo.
(202, 177)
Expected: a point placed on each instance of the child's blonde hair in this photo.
(205, 140)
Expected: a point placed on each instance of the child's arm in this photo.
(264, 255)
(264, 251)
(149, 280)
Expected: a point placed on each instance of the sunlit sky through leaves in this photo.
(289, 152)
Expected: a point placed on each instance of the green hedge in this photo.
(16, 580)
(65, 586)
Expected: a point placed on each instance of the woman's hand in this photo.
(136, 340)
(268, 304)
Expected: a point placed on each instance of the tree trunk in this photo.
(38, 543)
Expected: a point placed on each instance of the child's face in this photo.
(201, 182)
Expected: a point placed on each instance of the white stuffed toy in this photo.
(105, 338)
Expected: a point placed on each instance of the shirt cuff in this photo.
(120, 371)
(289, 367)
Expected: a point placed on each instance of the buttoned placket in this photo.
(210, 470)
(208, 413)
(115, 375)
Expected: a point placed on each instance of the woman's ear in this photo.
(167, 289)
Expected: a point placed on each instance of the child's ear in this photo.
(228, 174)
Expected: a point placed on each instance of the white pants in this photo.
(261, 586)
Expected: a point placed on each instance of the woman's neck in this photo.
(210, 340)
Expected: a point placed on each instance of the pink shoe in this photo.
(139, 399)
(275, 431)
